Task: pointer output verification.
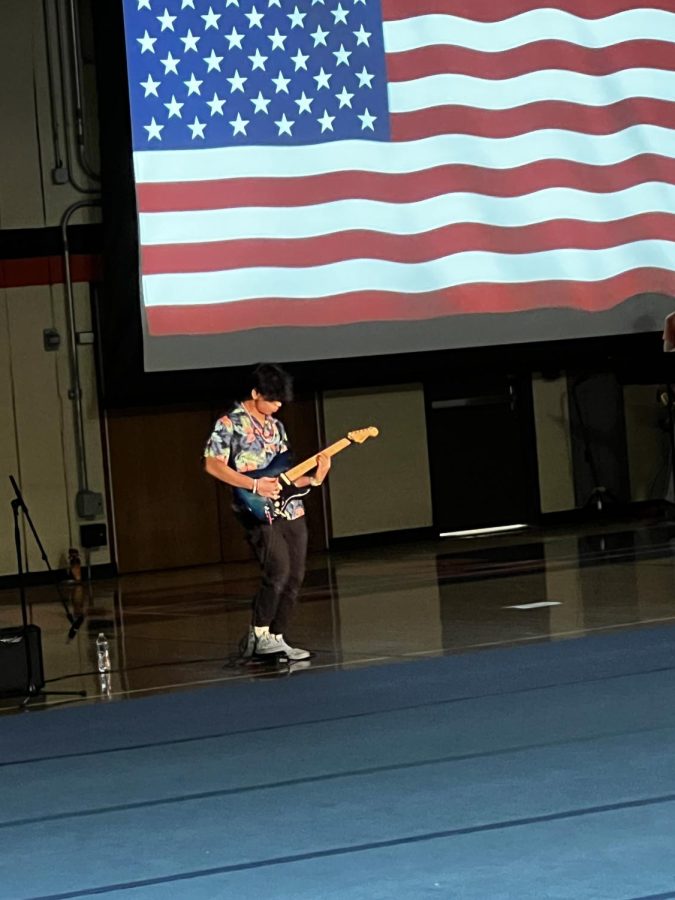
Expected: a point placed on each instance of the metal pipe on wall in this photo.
(75, 392)
(76, 61)
(64, 102)
(58, 167)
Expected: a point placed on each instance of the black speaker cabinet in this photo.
(21, 660)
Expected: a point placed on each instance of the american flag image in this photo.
(328, 162)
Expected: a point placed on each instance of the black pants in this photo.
(281, 550)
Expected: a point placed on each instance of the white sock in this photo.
(261, 630)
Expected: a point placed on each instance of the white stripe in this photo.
(535, 25)
(378, 275)
(398, 158)
(204, 226)
(477, 532)
(533, 87)
(534, 605)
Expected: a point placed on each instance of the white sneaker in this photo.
(268, 645)
(292, 653)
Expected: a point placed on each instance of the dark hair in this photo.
(272, 382)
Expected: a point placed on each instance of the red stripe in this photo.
(316, 189)
(410, 249)
(380, 306)
(534, 57)
(532, 117)
(491, 11)
(44, 270)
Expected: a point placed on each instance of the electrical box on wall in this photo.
(89, 504)
(51, 339)
(93, 536)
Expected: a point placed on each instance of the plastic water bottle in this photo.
(106, 686)
(102, 653)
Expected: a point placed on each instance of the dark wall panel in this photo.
(166, 507)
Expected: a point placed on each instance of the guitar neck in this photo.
(309, 464)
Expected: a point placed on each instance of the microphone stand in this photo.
(32, 688)
(75, 621)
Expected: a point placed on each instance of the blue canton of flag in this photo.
(218, 73)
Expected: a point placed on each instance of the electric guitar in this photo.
(267, 509)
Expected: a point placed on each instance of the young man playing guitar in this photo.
(247, 440)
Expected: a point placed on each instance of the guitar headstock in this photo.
(362, 434)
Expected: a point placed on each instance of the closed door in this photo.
(482, 456)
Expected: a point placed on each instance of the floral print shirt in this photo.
(248, 446)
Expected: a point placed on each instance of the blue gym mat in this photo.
(544, 771)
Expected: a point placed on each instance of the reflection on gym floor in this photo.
(177, 629)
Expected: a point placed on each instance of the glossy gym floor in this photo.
(180, 629)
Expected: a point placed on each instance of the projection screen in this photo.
(326, 178)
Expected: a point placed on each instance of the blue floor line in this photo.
(340, 718)
(363, 848)
(332, 776)
(667, 896)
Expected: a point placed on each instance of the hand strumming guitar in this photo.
(268, 487)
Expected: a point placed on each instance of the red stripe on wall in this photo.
(42, 270)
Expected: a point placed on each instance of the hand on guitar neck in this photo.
(322, 469)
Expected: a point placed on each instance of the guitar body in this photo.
(267, 510)
(263, 508)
